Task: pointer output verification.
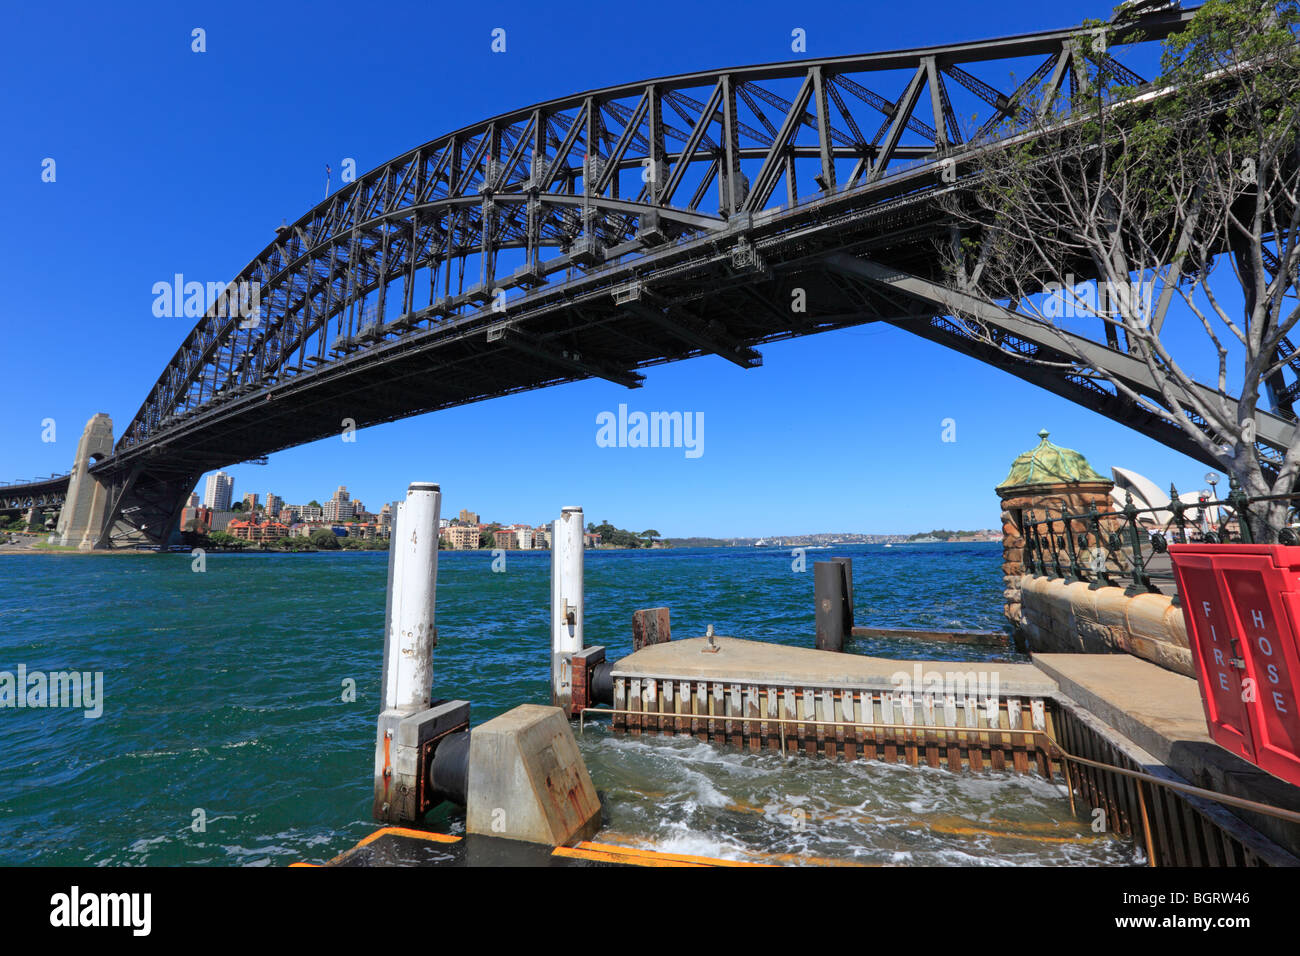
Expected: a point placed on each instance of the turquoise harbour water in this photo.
(223, 701)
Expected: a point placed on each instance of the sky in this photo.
(172, 161)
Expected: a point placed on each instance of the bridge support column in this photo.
(82, 518)
(566, 603)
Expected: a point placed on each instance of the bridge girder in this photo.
(602, 176)
(1064, 362)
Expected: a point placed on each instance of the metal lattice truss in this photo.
(33, 493)
(497, 217)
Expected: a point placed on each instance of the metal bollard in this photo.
(409, 729)
(566, 603)
(828, 591)
(847, 565)
(409, 631)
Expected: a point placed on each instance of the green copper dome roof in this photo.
(1048, 464)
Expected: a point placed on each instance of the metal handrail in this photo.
(1102, 536)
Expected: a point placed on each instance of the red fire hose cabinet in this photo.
(1241, 604)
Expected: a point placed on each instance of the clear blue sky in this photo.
(171, 161)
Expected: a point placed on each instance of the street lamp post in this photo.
(1212, 479)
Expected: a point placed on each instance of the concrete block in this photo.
(527, 780)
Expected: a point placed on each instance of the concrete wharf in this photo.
(1124, 736)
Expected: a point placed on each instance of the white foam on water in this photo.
(687, 796)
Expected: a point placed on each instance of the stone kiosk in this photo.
(1044, 479)
(1056, 614)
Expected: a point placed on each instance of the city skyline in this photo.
(476, 519)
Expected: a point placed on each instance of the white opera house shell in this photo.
(1146, 494)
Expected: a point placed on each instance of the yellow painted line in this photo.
(769, 859)
(394, 831)
(1040, 826)
(1005, 835)
(598, 856)
(627, 854)
(801, 859)
(407, 832)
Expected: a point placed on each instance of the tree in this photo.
(237, 506)
(1107, 214)
(618, 537)
(313, 503)
(324, 539)
(224, 539)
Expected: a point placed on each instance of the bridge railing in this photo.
(19, 482)
(1128, 547)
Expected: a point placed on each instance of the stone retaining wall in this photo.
(1073, 618)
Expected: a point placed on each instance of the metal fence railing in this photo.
(1129, 547)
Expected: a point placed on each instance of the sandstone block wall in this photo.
(1057, 616)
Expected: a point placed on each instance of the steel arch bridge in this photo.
(601, 233)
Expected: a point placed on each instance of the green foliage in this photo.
(325, 540)
(1193, 180)
(1211, 125)
(618, 537)
(224, 539)
(294, 544)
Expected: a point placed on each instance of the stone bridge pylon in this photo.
(82, 519)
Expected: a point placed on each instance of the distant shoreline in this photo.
(58, 550)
